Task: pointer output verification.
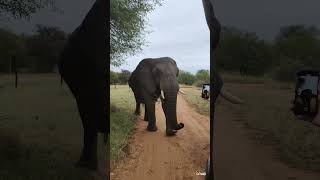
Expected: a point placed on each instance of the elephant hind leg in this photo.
(88, 156)
(137, 111)
(90, 123)
(85, 96)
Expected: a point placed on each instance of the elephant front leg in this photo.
(146, 116)
(150, 114)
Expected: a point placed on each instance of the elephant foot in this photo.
(179, 126)
(171, 132)
(91, 165)
(152, 128)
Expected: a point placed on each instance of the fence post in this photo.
(14, 66)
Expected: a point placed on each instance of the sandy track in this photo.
(152, 155)
(239, 158)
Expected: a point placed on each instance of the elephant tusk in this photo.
(162, 94)
(182, 92)
(229, 97)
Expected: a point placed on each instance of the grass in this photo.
(40, 130)
(267, 110)
(193, 97)
(122, 120)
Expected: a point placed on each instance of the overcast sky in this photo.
(180, 31)
(177, 32)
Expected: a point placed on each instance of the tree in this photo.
(243, 49)
(10, 45)
(124, 76)
(186, 78)
(300, 43)
(297, 47)
(23, 8)
(203, 77)
(127, 27)
(45, 46)
(114, 78)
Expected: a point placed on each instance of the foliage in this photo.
(294, 47)
(202, 77)
(186, 78)
(114, 77)
(127, 27)
(119, 77)
(38, 52)
(45, 46)
(10, 44)
(300, 43)
(23, 8)
(124, 76)
(297, 47)
(239, 48)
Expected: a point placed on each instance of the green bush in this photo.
(186, 78)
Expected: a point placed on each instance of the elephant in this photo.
(154, 78)
(83, 66)
(217, 89)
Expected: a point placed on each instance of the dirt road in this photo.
(237, 157)
(152, 155)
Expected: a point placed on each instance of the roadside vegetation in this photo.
(267, 113)
(193, 97)
(40, 130)
(122, 120)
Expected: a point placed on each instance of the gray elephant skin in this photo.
(151, 77)
(83, 66)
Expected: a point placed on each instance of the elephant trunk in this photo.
(169, 105)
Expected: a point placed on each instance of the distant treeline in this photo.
(36, 53)
(201, 77)
(294, 47)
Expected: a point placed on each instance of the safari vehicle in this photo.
(306, 93)
(205, 94)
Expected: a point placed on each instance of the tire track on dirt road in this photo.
(237, 157)
(153, 155)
